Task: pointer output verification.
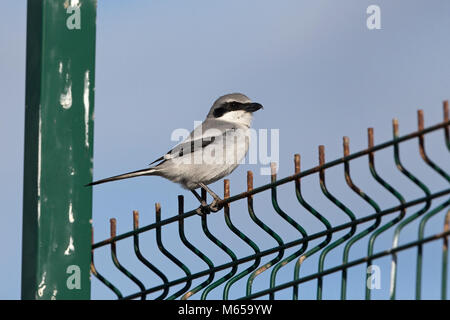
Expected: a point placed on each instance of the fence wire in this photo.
(393, 218)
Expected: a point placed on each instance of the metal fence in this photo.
(380, 219)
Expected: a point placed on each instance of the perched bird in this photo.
(211, 151)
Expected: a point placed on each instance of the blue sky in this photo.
(314, 65)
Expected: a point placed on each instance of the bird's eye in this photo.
(234, 105)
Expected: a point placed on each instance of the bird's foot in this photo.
(214, 206)
(203, 209)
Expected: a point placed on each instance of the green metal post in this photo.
(57, 208)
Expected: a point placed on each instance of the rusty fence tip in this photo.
(420, 121)
(321, 155)
(135, 219)
(395, 126)
(297, 163)
(113, 224)
(273, 168)
(346, 142)
(158, 210)
(249, 180)
(370, 137)
(273, 171)
(226, 188)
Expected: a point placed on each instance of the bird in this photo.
(209, 153)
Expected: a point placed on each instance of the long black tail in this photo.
(142, 172)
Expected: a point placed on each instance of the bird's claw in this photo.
(207, 209)
(214, 206)
(203, 209)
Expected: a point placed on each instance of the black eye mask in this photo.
(228, 107)
(235, 106)
(219, 112)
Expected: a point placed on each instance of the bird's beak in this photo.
(253, 106)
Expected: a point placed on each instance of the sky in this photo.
(320, 73)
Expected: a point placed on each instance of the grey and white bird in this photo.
(211, 151)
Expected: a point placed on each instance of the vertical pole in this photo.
(59, 105)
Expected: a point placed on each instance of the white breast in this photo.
(238, 117)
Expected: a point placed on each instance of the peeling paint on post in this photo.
(57, 208)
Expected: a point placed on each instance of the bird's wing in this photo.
(185, 148)
(202, 136)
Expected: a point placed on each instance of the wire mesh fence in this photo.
(273, 261)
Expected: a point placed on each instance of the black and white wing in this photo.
(185, 148)
(202, 136)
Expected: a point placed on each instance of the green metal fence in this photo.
(60, 82)
(381, 219)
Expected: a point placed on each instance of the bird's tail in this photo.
(142, 172)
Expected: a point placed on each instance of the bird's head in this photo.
(234, 107)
